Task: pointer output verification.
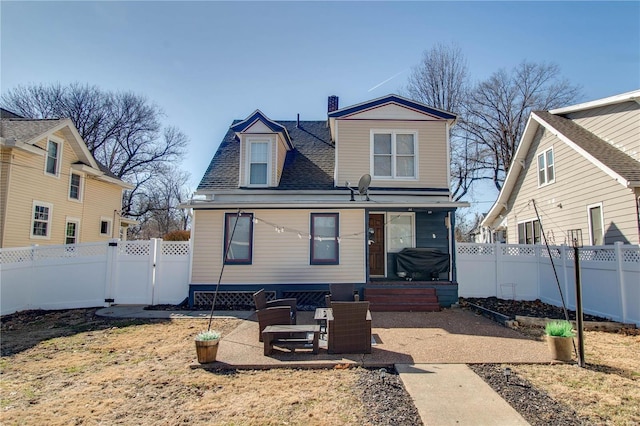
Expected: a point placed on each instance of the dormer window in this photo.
(259, 154)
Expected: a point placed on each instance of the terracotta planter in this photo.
(561, 347)
(206, 350)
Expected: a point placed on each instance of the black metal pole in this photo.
(579, 318)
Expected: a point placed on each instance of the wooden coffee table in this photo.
(291, 337)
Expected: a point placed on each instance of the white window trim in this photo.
(110, 221)
(77, 222)
(533, 237)
(546, 166)
(49, 220)
(80, 190)
(393, 133)
(387, 231)
(60, 143)
(269, 142)
(590, 225)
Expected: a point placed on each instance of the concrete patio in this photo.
(452, 336)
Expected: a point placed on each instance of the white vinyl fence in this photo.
(610, 276)
(94, 274)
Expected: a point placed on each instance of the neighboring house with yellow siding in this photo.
(580, 167)
(52, 190)
(283, 199)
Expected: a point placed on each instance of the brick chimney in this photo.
(332, 103)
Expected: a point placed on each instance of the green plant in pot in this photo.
(560, 339)
(207, 346)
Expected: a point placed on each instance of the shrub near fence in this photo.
(610, 276)
(93, 274)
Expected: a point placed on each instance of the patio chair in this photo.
(341, 293)
(349, 328)
(261, 302)
(277, 315)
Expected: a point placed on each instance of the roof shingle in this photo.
(616, 160)
(309, 166)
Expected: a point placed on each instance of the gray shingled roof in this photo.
(616, 160)
(308, 167)
(24, 129)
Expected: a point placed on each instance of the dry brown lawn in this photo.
(138, 373)
(69, 367)
(607, 391)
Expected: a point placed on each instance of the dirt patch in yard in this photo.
(71, 367)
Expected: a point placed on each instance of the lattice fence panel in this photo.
(134, 248)
(598, 255)
(631, 255)
(56, 252)
(555, 253)
(172, 248)
(518, 251)
(475, 250)
(15, 256)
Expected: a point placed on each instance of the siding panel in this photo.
(354, 143)
(578, 184)
(278, 257)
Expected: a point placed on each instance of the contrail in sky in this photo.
(386, 81)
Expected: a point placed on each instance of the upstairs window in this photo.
(529, 232)
(596, 225)
(258, 163)
(324, 239)
(75, 182)
(41, 220)
(238, 237)
(546, 171)
(53, 158)
(394, 155)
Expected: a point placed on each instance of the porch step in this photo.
(402, 299)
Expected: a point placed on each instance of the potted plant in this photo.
(560, 339)
(207, 346)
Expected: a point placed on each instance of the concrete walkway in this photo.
(428, 349)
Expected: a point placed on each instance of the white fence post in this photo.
(111, 271)
(620, 276)
(153, 253)
(497, 258)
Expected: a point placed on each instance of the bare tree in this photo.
(122, 130)
(498, 109)
(441, 80)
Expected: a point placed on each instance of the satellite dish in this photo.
(363, 184)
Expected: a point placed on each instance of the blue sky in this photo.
(207, 63)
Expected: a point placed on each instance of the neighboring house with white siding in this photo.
(580, 167)
(52, 190)
(281, 188)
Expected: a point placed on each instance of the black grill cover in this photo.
(422, 263)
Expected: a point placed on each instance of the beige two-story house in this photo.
(292, 206)
(52, 190)
(579, 166)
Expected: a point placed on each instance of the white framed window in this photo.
(53, 157)
(596, 224)
(259, 164)
(400, 231)
(546, 169)
(72, 231)
(529, 232)
(76, 183)
(41, 217)
(394, 154)
(325, 234)
(105, 226)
